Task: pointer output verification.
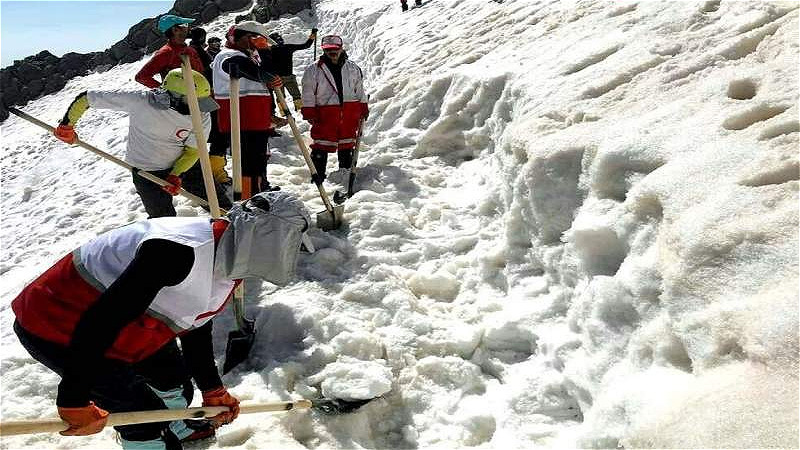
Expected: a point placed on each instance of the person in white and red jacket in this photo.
(334, 103)
(107, 316)
(246, 56)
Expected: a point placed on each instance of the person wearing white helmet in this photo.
(107, 316)
(246, 56)
(161, 138)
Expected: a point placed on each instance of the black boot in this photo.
(404, 6)
(418, 2)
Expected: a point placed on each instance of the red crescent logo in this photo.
(182, 133)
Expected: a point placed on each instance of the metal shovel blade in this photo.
(330, 220)
(331, 406)
(239, 344)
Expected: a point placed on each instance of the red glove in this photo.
(83, 421)
(65, 133)
(275, 82)
(221, 397)
(176, 184)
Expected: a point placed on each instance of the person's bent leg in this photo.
(157, 202)
(117, 388)
(168, 377)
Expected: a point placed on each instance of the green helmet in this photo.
(174, 83)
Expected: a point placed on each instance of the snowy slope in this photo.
(577, 226)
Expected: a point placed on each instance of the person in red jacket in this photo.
(176, 29)
(108, 315)
(334, 103)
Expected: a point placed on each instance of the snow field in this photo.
(576, 226)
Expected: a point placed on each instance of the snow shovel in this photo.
(324, 406)
(142, 173)
(240, 340)
(339, 197)
(331, 218)
(200, 136)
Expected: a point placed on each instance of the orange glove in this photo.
(65, 133)
(83, 421)
(275, 82)
(221, 397)
(175, 184)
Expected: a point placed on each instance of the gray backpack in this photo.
(263, 238)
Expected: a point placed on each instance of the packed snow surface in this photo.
(576, 225)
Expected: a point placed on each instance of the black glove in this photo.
(317, 178)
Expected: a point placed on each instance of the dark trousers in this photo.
(157, 202)
(255, 156)
(290, 84)
(192, 181)
(218, 145)
(254, 151)
(122, 387)
(320, 159)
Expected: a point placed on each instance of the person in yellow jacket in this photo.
(161, 139)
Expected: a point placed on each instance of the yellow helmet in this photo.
(174, 83)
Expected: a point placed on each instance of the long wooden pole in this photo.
(200, 136)
(236, 154)
(303, 148)
(135, 417)
(142, 173)
(236, 136)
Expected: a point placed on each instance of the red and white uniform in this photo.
(255, 101)
(52, 305)
(334, 125)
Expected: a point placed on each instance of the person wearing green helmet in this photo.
(161, 139)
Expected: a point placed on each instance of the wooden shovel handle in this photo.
(142, 173)
(135, 417)
(200, 137)
(298, 137)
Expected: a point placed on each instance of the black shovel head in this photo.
(332, 406)
(238, 347)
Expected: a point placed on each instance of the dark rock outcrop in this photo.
(45, 73)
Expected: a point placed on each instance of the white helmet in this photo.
(253, 27)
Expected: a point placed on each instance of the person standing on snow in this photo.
(161, 139)
(246, 54)
(334, 102)
(106, 316)
(166, 58)
(198, 43)
(176, 29)
(218, 145)
(213, 46)
(282, 54)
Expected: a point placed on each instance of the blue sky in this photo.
(28, 27)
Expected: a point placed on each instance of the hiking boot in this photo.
(267, 187)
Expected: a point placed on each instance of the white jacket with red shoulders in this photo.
(334, 124)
